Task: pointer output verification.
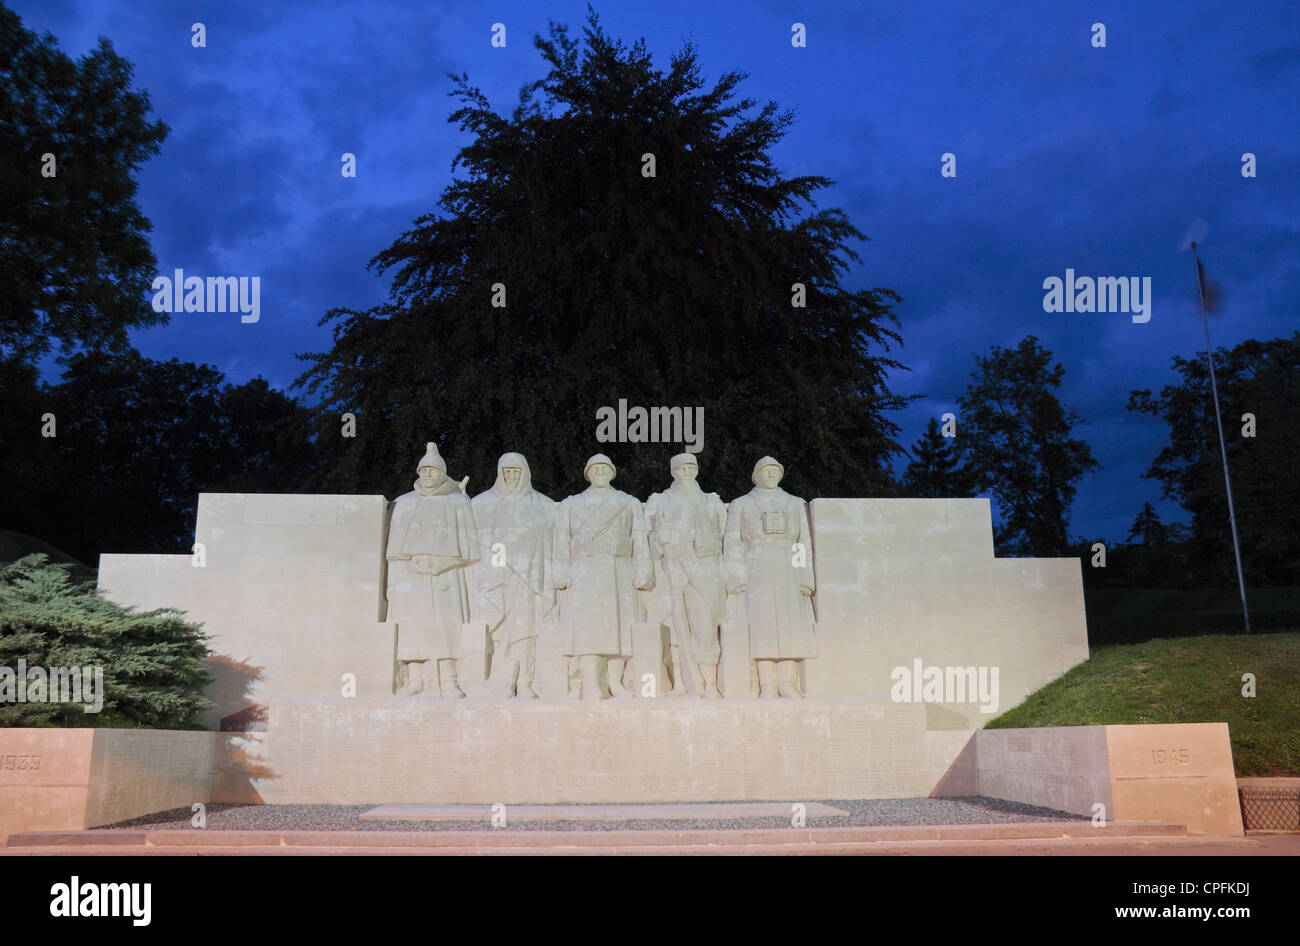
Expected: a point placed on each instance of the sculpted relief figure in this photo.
(768, 547)
(602, 559)
(431, 540)
(686, 528)
(515, 523)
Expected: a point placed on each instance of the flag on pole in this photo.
(1209, 292)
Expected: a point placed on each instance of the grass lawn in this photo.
(1185, 680)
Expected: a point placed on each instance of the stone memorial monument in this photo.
(848, 647)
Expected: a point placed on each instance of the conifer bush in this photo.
(152, 661)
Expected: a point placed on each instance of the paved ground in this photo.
(900, 827)
(613, 813)
(859, 813)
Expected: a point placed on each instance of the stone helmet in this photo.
(431, 458)
(598, 458)
(765, 461)
(682, 459)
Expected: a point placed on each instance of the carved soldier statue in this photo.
(431, 540)
(602, 559)
(516, 589)
(686, 527)
(768, 548)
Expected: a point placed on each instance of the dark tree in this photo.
(1257, 378)
(1159, 559)
(75, 260)
(1148, 527)
(670, 290)
(137, 440)
(1018, 444)
(936, 470)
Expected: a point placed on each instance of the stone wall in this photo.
(291, 591)
(54, 779)
(360, 752)
(1180, 772)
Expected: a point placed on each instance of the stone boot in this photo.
(589, 670)
(414, 684)
(709, 676)
(450, 685)
(789, 688)
(767, 686)
(617, 668)
(679, 682)
(527, 671)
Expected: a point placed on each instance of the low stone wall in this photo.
(54, 779)
(1177, 772)
(353, 751)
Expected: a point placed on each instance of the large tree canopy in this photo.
(1261, 379)
(75, 260)
(1016, 435)
(672, 290)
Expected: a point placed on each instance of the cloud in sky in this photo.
(1068, 157)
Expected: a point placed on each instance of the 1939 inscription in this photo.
(20, 762)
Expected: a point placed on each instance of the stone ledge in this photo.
(505, 838)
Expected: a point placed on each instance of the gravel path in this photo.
(862, 813)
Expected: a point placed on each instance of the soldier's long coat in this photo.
(761, 554)
(430, 609)
(601, 548)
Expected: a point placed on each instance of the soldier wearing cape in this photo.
(516, 590)
(431, 541)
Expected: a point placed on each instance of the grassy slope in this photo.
(1185, 680)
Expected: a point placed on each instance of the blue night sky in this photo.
(1068, 156)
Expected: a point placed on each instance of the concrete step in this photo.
(121, 840)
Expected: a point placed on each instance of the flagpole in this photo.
(1223, 448)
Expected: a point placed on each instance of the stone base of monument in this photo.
(391, 751)
(355, 751)
(1151, 772)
